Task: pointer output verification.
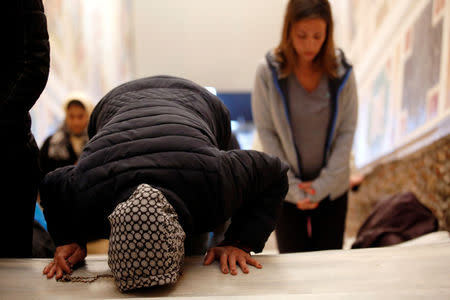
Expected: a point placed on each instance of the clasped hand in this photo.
(306, 204)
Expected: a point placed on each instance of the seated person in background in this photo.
(64, 147)
(156, 166)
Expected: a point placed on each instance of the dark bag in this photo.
(395, 219)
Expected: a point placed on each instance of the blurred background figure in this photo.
(64, 147)
(25, 69)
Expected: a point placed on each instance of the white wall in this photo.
(90, 53)
(214, 43)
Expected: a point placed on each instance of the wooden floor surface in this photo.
(416, 272)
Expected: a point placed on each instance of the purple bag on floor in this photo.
(395, 219)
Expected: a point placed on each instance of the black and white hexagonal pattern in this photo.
(146, 244)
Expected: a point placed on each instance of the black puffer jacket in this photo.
(25, 68)
(170, 133)
(26, 65)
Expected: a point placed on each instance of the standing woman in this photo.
(304, 107)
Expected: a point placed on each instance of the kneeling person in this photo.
(157, 166)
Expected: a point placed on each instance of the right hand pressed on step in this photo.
(228, 256)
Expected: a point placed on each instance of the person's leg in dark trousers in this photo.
(19, 194)
(291, 230)
(328, 223)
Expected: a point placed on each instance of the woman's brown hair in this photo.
(302, 9)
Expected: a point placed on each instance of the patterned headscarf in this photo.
(146, 244)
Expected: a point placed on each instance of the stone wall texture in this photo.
(426, 173)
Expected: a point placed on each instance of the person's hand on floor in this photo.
(65, 258)
(228, 256)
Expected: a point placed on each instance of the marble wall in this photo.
(426, 173)
(401, 53)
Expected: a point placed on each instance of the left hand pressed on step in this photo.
(228, 256)
(65, 258)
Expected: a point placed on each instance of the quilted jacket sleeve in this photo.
(57, 203)
(255, 185)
